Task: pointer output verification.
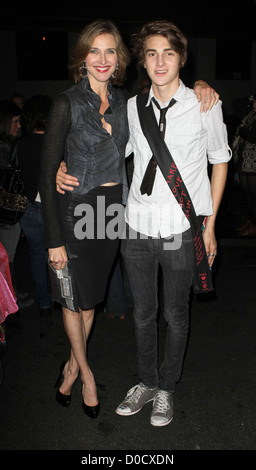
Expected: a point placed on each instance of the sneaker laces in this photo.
(161, 402)
(135, 393)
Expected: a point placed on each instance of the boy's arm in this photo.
(64, 181)
(218, 182)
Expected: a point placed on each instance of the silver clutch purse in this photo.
(62, 286)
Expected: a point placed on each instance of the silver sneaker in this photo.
(162, 413)
(136, 399)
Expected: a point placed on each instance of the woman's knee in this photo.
(87, 314)
(67, 313)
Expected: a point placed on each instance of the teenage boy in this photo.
(159, 232)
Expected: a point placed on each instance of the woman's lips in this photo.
(102, 69)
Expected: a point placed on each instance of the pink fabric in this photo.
(8, 299)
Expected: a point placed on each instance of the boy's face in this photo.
(161, 61)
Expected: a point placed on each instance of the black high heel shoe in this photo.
(62, 399)
(91, 411)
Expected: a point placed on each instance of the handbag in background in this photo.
(13, 200)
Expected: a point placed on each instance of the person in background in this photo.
(29, 150)
(245, 150)
(10, 234)
(18, 99)
(8, 304)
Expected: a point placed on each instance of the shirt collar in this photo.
(90, 94)
(179, 95)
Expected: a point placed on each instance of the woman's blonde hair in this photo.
(84, 43)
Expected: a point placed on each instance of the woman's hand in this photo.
(65, 182)
(206, 95)
(58, 257)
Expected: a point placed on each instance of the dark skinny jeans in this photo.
(143, 257)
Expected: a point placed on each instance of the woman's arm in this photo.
(52, 154)
(206, 95)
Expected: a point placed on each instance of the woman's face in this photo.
(102, 59)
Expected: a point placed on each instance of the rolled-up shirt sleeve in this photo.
(218, 150)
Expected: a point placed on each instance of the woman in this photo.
(10, 234)
(29, 150)
(88, 125)
(9, 132)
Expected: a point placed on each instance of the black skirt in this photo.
(92, 242)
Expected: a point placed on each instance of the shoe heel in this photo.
(91, 411)
(60, 376)
(63, 400)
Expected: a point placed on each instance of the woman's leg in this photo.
(78, 326)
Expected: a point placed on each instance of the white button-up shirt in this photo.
(191, 136)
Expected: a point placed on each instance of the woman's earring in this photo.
(117, 67)
(83, 70)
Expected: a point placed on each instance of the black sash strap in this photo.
(202, 281)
